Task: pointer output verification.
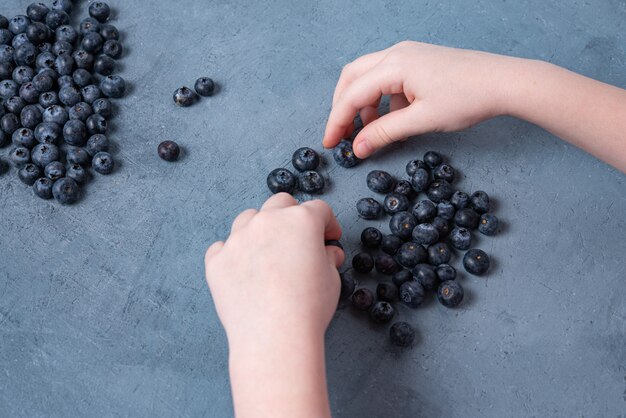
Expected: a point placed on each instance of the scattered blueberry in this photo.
(433, 159)
(402, 224)
(75, 132)
(29, 173)
(37, 12)
(100, 11)
(81, 111)
(466, 218)
(66, 191)
(476, 262)
(380, 181)
(445, 272)
(439, 253)
(76, 155)
(113, 86)
(305, 159)
(19, 156)
(169, 151)
(450, 294)
(424, 211)
(371, 237)
(385, 264)
(425, 234)
(96, 124)
(488, 224)
(69, 95)
(410, 254)
(390, 244)
(76, 172)
(387, 292)
(184, 97)
(413, 165)
(54, 170)
(363, 262)
(92, 42)
(401, 276)
(395, 202)
(43, 188)
(109, 32)
(114, 49)
(103, 107)
(439, 190)
(460, 238)
(445, 210)
(281, 180)
(311, 182)
(44, 154)
(382, 312)
(347, 286)
(426, 276)
(205, 87)
(369, 208)
(404, 187)
(103, 163)
(83, 59)
(420, 180)
(104, 65)
(442, 225)
(479, 201)
(412, 293)
(363, 299)
(54, 113)
(24, 138)
(401, 334)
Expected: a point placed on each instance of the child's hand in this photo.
(432, 88)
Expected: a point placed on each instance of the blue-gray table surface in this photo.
(103, 305)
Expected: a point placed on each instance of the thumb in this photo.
(335, 255)
(394, 126)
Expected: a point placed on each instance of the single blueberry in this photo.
(64, 64)
(387, 292)
(43, 188)
(425, 234)
(205, 86)
(426, 276)
(450, 294)
(89, 24)
(424, 211)
(404, 187)
(390, 244)
(103, 107)
(344, 155)
(6, 70)
(37, 32)
(305, 159)
(433, 159)
(82, 77)
(411, 254)
(488, 224)
(385, 264)
(311, 182)
(104, 65)
(29, 173)
(476, 262)
(363, 262)
(401, 334)
(8, 89)
(445, 272)
(402, 225)
(29, 93)
(56, 114)
(109, 32)
(75, 132)
(439, 190)
(19, 24)
(401, 277)
(479, 201)
(96, 124)
(445, 210)
(412, 293)
(48, 132)
(103, 163)
(77, 155)
(26, 54)
(439, 253)
(6, 36)
(371, 237)
(380, 181)
(66, 191)
(6, 53)
(184, 97)
(37, 12)
(19, 156)
(83, 59)
(420, 180)
(114, 49)
(395, 202)
(414, 165)
(47, 99)
(65, 81)
(24, 138)
(64, 5)
(167, 150)
(66, 33)
(69, 95)
(44, 154)
(92, 42)
(347, 286)
(100, 11)
(382, 312)
(4, 22)
(62, 48)
(442, 225)
(369, 208)
(23, 74)
(467, 218)
(363, 299)
(9, 123)
(77, 172)
(281, 180)
(54, 170)
(81, 111)
(460, 238)
(113, 86)
(31, 116)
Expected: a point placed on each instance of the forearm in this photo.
(585, 112)
(283, 376)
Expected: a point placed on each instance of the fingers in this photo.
(363, 92)
(355, 69)
(211, 252)
(335, 255)
(397, 102)
(242, 219)
(278, 201)
(332, 230)
(369, 114)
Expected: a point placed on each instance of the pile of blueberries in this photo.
(55, 86)
(417, 252)
(306, 161)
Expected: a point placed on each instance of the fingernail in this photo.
(363, 149)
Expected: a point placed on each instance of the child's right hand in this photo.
(432, 88)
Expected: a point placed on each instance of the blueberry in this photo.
(50, 72)
(19, 156)
(401, 334)
(104, 65)
(488, 224)
(69, 95)
(439, 253)
(29, 93)
(66, 33)
(424, 211)
(347, 286)
(65, 5)
(26, 54)
(37, 32)
(4, 22)
(385, 264)
(467, 218)
(24, 138)
(29, 173)
(23, 74)
(65, 191)
(37, 12)
(404, 187)
(305, 159)
(425, 234)
(450, 294)
(114, 49)
(439, 190)
(382, 312)
(395, 202)
(56, 18)
(433, 159)
(92, 42)
(19, 24)
(45, 47)
(43, 188)
(82, 77)
(48, 132)
(344, 156)
(205, 86)
(62, 48)
(103, 107)
(363, 299)
(6, 36)
(387, 292)
(75, 132)
(65, 81)
(167, 150)
(390, 244)
(89, 24)
(445, 210)
(311, 182)
(369, 208)
(44, 154)
(96, 124)
(9, 123)
(184, 97)
(460, 238)
(103, 163)
(54, 170)
(412, 293)
(476, 262)
(479, 201)
(420, 180)
(113, 86)
(445, 272)
(76, 155)
(380, 181)
(6, 70)
(6, 53)
(442, 225)
(401, 276)
(414, 165)
(80, 111)
(47, 99)
(83, 59)
(426, 276)
(402, 225)
(411, 254)
(31, 116)
(77, 172)
(371, 237)
(363, 262)
(55, 113)
(100, 11)
(8, 89)
(109, 32)
(64, 64)
(281, 180)
(334, 243)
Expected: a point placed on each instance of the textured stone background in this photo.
(103, 306)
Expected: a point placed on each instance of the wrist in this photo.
(520, 79)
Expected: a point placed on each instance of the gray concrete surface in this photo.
(103, 306)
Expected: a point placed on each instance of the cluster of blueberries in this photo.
(417, 252)
(55, 86)
(306, 161)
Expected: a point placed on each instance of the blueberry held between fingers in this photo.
(305, 159)
(411, 254)
(476, 262)
(344, 155)
(439, 253)
(385, 264)
(369, 208)
(371, 237)
(167, 150)
(103, 163)
(401, 334)
(395, 202)
(363, 262)
(311, 182)
(334, 243)
(401, 277)
(43, 188)
(466, 218)
(445, 272)
(382, 312)
(205, 87)
(29, 173)
(450, 294)
(402, 225)
(281, 180)
(488, 224)
(479, 201)
(184, 97)
(380, 181)
(387, 292)
(65, 191)
(426, 276)
(412, 293)
(425, 234)
(390, 244)
(363, 299)
(460, 238)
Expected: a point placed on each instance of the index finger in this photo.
(332, 229)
